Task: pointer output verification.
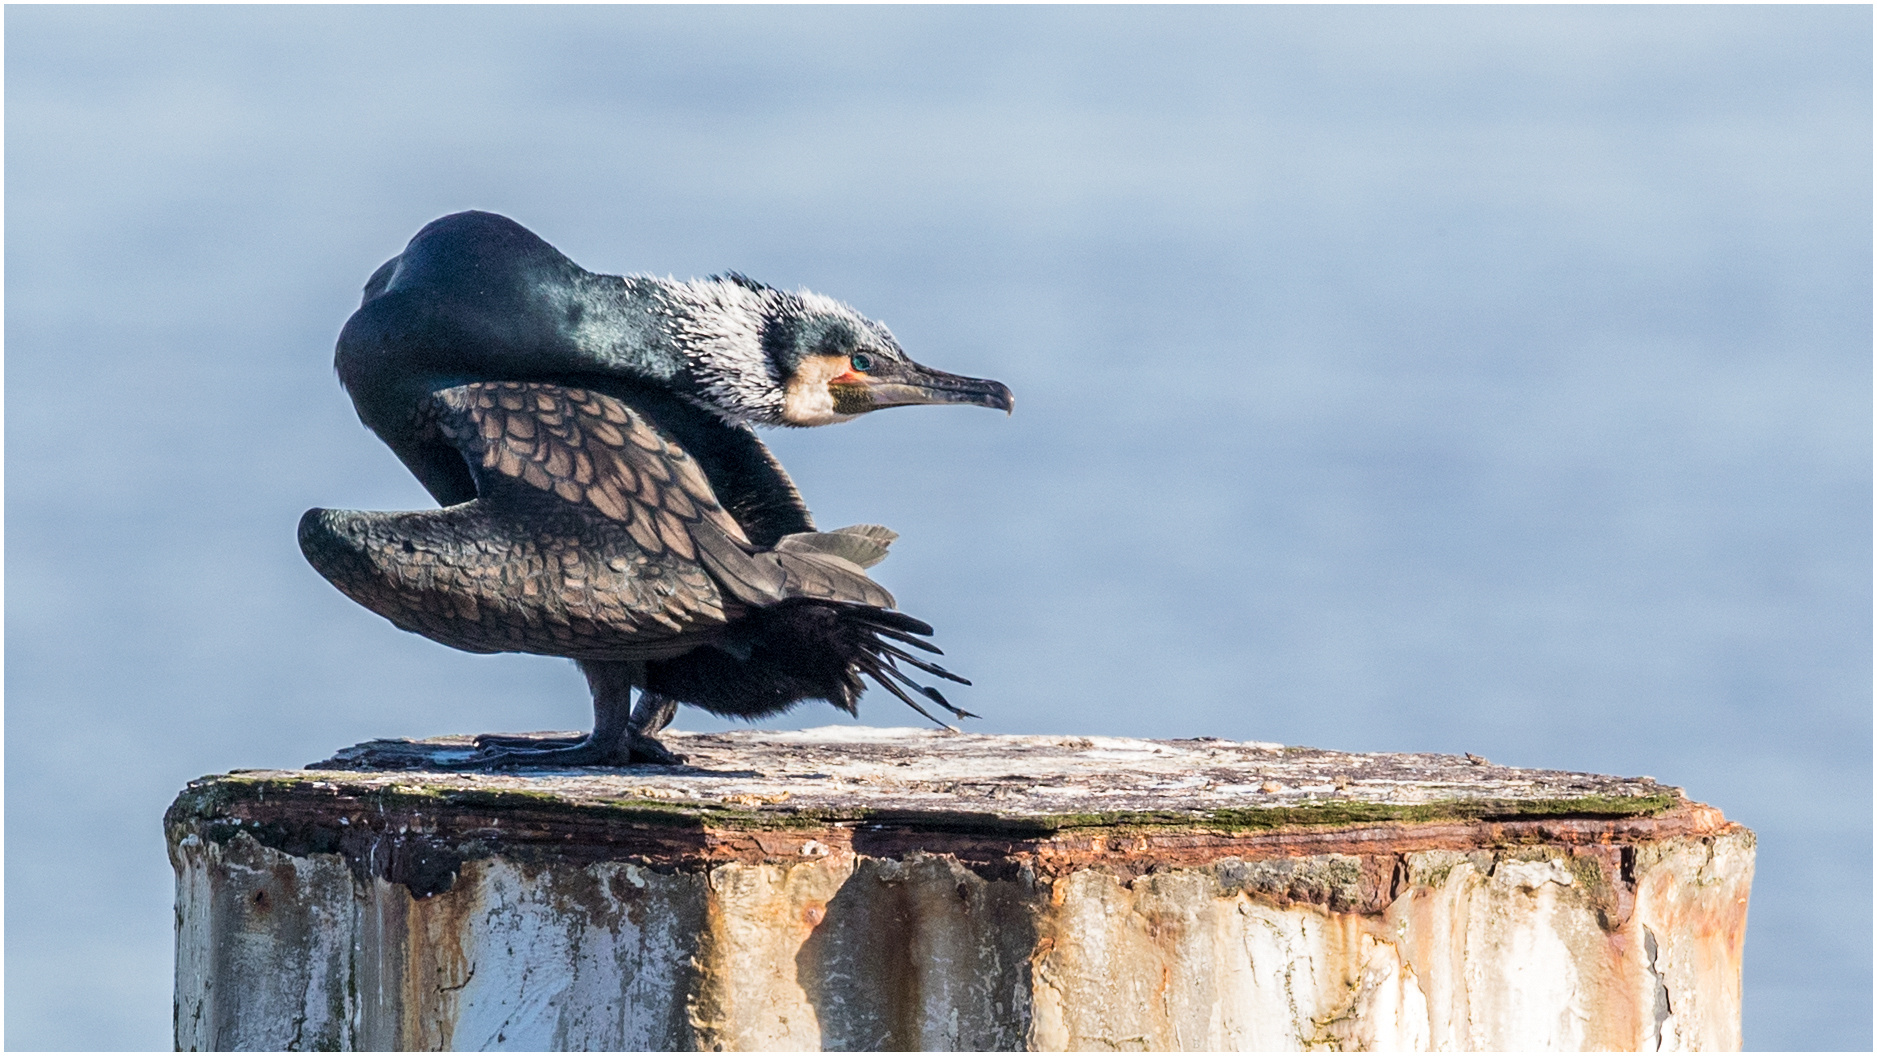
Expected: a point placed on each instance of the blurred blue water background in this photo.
(1447, 379)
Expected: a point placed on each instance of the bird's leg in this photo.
(603, 689)
(608, 745)
(652, 713)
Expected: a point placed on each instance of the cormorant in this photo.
(604, 496)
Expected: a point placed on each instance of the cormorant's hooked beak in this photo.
(903, 383)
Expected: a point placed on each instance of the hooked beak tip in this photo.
(993, 394)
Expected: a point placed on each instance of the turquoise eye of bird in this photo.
(861, 362)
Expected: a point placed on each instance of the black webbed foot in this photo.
(504, 753)
(646, 748)
(491, 741)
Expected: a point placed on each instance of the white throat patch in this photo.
(807, 400)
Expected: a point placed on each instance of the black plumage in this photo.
(604, 497)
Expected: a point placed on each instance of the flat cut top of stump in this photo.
(981, 782)
(1045, 805)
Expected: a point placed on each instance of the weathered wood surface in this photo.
(852, 888)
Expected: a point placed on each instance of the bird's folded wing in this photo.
(527, 441)
(479, 580)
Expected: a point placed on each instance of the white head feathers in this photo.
(744, 341)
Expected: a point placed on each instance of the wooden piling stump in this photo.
(853, 888)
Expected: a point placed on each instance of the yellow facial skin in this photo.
(824, 390)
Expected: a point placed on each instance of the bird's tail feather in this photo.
(879, 660)
(830, 567)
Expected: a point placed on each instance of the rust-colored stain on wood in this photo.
(876, 889)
